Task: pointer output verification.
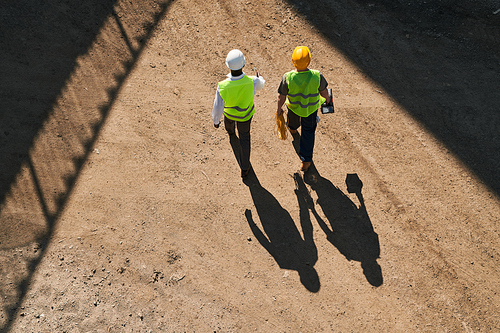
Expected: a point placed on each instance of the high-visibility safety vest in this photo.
(238, 98)
(303, 92)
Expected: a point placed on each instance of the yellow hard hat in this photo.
(301, 57)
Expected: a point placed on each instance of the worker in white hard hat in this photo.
(303, 90)
(234, 100)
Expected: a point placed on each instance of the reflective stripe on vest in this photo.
(238, 98)
(303, 92)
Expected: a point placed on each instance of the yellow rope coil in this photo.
(280, 128)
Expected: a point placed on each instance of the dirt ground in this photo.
(122, 208)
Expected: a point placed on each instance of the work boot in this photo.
(304, 166)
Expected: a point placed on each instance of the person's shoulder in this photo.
(223, 82)
(287, 75)
(318, 73)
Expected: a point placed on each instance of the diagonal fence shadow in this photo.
(63, 64)
(438, 59)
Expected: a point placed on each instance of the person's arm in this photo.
(325, 95)
(281, 101)
(323, 91)
(218, 109)
(282, 93)
(258, 83)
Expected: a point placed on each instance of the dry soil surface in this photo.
(122, 208)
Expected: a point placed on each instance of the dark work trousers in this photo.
(244, 134)
(307, 135)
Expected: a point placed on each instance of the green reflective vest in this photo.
(238, 98)
(303, 92)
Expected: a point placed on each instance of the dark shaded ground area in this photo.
(400, 45)
(438, 59)
(44, 40)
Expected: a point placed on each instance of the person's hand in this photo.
(279, 111)
(216, 125)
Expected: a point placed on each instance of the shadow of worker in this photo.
(350, 230)
(280, 236)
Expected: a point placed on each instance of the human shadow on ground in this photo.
(281, 237)
(438, 59)
(350, 229)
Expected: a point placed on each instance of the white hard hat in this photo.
(235, 60)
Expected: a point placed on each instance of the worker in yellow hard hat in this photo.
(303, 90)
(234, 99)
